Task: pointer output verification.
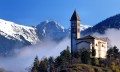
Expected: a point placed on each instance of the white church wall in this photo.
(96, 48)
(101, 48)
(99, 45)
(78, 29)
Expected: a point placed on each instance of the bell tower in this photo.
(75, 30)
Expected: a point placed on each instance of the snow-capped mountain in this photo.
(10, 29)
(51, 30)
(14, 36)
(83, 27)
(46, 29)
(54, 31)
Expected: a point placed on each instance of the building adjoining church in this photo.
(87, 42)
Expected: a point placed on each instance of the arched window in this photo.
(96, 45)
(78, 30)
(102, 45)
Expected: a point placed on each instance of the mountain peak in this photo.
(13, 35)
(14, 30)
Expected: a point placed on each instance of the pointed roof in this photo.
(75, 17)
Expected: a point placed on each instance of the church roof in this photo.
(75, 17)
(90, 37)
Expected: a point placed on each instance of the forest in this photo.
(79, 61)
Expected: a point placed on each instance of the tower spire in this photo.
(75, 16)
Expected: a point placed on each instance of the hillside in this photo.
(101, 27)
(85, 68)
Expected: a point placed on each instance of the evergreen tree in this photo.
(43, 65)
(34, 69)
(77, 54)
(113, 52)
(116, 52)
(113, 56)
(65, 55)
(36, 64)
(51, 64)
(63, 60)
(85, 57)
(76, 58)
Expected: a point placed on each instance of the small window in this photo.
(73, 24)
(74, 30)
(78, 30)
(102, 45)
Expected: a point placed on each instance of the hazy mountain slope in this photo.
(111, 22)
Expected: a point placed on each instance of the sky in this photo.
(32, 12)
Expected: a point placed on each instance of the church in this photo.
(88, 42)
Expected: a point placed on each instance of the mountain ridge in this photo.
(14, 36)
(101, 27)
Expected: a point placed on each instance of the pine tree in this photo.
(43, 65)
(113, 52)
(85, 57)
(63, 60)
(36, 65)
(34, 69)
(51, 64)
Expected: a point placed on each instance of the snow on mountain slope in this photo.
(51, 30)
(8, 28)
(13, 36)
(83, 27)
(54, 31)
(46, 29)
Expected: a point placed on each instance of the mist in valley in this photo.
(113, 36)
(24, 57)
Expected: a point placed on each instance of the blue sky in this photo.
(32, 12)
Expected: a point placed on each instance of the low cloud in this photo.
(113, 35)
(25, 56)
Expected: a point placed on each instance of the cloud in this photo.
(113, 35)
(25, 56)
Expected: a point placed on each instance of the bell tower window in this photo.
(78, 30)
